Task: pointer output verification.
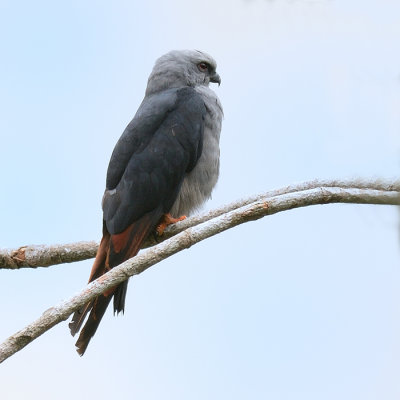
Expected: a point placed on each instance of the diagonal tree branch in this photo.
(34, 256)
(262, 206)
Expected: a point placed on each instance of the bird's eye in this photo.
(203, 66)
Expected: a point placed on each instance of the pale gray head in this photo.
(180, 68)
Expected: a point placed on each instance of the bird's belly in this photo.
(199, 183)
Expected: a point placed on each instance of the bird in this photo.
(163, 168)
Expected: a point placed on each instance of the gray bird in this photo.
(164, 166)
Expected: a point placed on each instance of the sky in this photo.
(304, 304)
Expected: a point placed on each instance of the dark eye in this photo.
(203, 66)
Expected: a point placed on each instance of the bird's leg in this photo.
(167, 219)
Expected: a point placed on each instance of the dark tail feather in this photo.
(78, 318)
(119, 297)
(97, 309)
(100, 305)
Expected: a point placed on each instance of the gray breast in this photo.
(199, 183)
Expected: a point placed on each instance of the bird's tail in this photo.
(113, 250)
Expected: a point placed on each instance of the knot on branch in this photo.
(13, 259)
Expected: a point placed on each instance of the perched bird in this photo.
(164, 166)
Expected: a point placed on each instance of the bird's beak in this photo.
(215, 78)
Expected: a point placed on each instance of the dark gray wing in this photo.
(149, 162)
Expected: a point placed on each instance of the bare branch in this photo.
(43, 256)
(262, 206)
(34, 256)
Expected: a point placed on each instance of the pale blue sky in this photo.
(301, 305)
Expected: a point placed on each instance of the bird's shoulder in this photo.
(181, 104)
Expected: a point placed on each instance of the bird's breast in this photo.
(199, 183)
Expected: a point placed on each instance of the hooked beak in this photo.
(215, 78)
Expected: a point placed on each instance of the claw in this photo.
(167, 219)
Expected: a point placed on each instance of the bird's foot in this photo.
(167, 219)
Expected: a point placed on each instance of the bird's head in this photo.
(180, 68)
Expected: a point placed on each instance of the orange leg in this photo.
(167, 219)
